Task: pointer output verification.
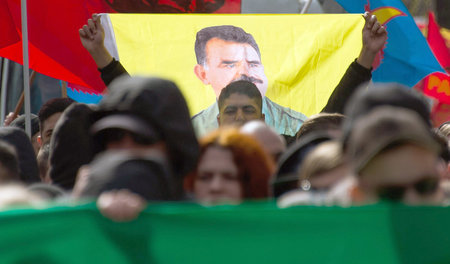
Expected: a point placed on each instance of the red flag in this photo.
(437, 85)
(437, 42)
(54, 44)
(9, 32)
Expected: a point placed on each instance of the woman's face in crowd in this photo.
(217, 178)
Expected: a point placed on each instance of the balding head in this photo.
(273, 143)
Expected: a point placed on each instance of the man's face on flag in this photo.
(228, 61)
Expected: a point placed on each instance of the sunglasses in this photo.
(116, 134)
(423, 187)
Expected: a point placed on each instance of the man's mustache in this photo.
(248, 78)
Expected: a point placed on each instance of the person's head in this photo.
(239, 102)
(113, 170)
(17, 138)
(445, 130)
(273, 143)
(365, 100)
(9, 165)
(326, 122)
(286, 177)
(125, 132)
(20, 123)
(71, 145)
(151, 112)
(232, 167)
(395, 157)
(49, 115)
(228, 53)
(323, 167)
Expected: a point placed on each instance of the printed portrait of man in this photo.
(225, 54)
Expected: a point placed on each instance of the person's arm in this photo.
(92, 36)
(374, 37)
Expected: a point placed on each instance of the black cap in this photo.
(144, 176)
(127, 122)
(286, 177)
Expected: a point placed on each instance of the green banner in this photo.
(254, 232)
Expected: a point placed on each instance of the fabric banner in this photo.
(407, 58)
(304, 56)
(254, 232)
(437, 85)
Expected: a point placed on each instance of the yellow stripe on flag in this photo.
(304, 56)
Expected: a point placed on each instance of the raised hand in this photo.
(374, 37)
(92, 36)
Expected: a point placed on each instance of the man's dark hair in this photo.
(241, 87)
(224, 32)
(8, 163)
(52, 106)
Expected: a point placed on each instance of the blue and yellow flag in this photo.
(407, 58)
(304, 56)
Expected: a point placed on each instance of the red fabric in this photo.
(54, 45)
(437, 85)
(9, 32)
(437, 42)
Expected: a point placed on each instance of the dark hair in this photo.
(8, 161)
(224, 32)
(52, 106)
(444, 128)
(442, 139)
(320, 122)
(241, 87)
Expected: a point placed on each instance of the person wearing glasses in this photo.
(395, 157)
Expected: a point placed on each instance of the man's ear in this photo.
(39, 140)
(199, 70)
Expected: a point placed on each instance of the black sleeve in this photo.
(111, 71)
(353, 77)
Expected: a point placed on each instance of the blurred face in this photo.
(272, 143)
(407, 173)
(35, 143)
(48, 127)
(121, 139)
(328, 179)
(239, 109)
(228, 61)
(217, 178)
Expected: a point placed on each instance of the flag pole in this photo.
(305, 7)
(26, 73)
(5, 68)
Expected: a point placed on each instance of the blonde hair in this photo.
(325, 157)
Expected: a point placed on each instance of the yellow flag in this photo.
(304, 56)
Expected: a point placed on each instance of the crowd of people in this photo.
(140, 144)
